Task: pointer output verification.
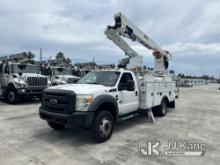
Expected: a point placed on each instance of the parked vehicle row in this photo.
(20, 77)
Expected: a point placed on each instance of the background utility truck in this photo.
(19, 78)
(60, 75)
(103, 97)
(59, 71)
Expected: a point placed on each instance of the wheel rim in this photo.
(164, 108)
(11, 96)
(105, 127)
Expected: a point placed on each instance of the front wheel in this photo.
(102, 127)
(56, 126)
(12, 96)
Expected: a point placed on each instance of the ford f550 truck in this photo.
(101, 98)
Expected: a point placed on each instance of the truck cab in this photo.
(18, 80)
(96, 101)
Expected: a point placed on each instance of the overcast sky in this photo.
(190, 30)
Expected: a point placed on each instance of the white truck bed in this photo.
(153, 89)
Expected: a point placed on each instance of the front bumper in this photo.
(79, 119)
(33, 91)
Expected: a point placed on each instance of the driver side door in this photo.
(5, 75)
(128, 94)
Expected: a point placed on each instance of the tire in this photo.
(162, 109)
(12, 96)
(56, 126)
(102, 126)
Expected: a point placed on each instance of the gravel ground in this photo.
(26, 139)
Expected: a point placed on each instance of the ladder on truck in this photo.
(19, 57)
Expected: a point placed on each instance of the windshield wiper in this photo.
(92, 83)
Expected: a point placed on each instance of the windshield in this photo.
(62, 71)
(106, 78)
(24, 68)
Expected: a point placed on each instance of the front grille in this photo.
(60, 101)
(37, 81)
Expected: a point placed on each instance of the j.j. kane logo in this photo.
(172, 148)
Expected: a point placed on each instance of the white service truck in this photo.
(18, 79)
(60, 75)
(101, 98)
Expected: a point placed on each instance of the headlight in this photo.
(83, 102)
(49, 83)
(17, 84)
(62, 82)
(20, 85)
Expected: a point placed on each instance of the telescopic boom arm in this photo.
(123, 27)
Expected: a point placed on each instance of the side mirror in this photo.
(121, 87)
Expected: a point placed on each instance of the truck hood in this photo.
(83, 88)
(67, 76)
(25, 75)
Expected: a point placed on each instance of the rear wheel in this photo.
(56, 126)
(102, 127)
(162, 109)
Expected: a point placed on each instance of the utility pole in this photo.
(41, 55)
(93, 61)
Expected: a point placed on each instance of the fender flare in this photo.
(165, 98)
(102, 99)
(11, 85)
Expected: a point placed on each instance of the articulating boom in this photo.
(134, 59)
(123, 27)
